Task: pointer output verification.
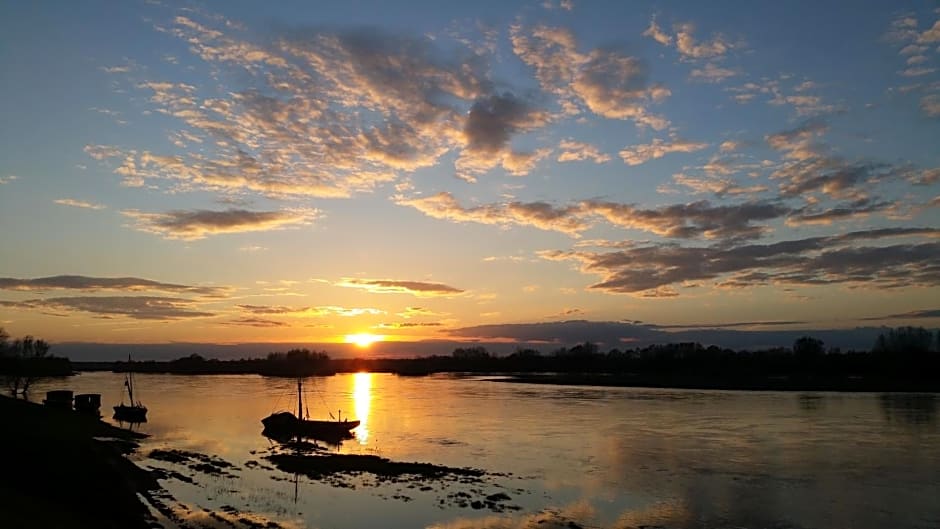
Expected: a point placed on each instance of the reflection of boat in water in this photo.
(135, 412)
(284, 425)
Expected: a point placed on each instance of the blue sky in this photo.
(230, 172)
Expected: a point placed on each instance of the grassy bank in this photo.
(56, 474)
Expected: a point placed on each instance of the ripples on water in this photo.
(598, 457)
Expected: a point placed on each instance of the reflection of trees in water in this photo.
(909, 408)
(811, 402)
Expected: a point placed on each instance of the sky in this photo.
(543, 172)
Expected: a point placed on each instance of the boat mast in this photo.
(130, 380)
(300, 399)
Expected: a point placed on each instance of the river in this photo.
(588, 456)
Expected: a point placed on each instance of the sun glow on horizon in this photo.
(364, 339)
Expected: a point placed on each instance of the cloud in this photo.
(411, 312)
(718, 186)
(102, 152)
(688, 47)
(905, 31)
(686, 44)
(656, 33)
(729, 146)
(493, 119)
(832, 176)
(78, 203)
(409, 324)
(567, 5)
(537, 214)
(931, 35)
(712, 73)
(614, 86)
(394, 286)
(798, 143)
(135, 307)
(562, 332)
(917, 71)
(125, 68)
(573, 151)
(255, 322)
(8, 179)
(198, 224)
(639, 154)
(836, 259)
(914, 314)
(930, 105)
(692, 220)
(326, 113)
(772, 323)
(92, 284)
(809, 167)
(491, 122)
(854, 210)
(606, 81)
(783, 91)
(306, 312)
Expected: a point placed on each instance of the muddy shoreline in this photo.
(65, 469)
(68, 470)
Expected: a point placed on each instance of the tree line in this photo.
(26, 359)
(908, 352)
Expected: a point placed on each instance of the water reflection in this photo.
(133, 426)
(811, 402)
(362, 399)
(915, 409)
(669, 458)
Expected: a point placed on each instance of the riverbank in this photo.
(66, 470)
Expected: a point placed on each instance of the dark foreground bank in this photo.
(65, 470)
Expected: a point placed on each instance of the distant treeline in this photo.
(904, 352)
(293, 363)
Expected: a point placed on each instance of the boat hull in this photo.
(130, 413)
(285, 425)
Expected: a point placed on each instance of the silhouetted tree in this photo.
(21, 361)
(582, 349)
(903, 341)
(808, 347)
(521, 352)
(471, 353)
(7, 362)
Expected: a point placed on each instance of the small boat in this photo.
(59, 398)
(284, 425)
(88, 403)
(135, 411)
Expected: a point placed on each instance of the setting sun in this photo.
(363, 339)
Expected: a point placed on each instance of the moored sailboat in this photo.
(135, 411)
(286, 425)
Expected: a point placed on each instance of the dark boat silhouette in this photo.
(134, 412)
(284, 425)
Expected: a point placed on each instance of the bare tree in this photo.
(19, 361)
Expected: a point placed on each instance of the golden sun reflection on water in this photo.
(362, 400)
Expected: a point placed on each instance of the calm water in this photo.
(602, 457)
